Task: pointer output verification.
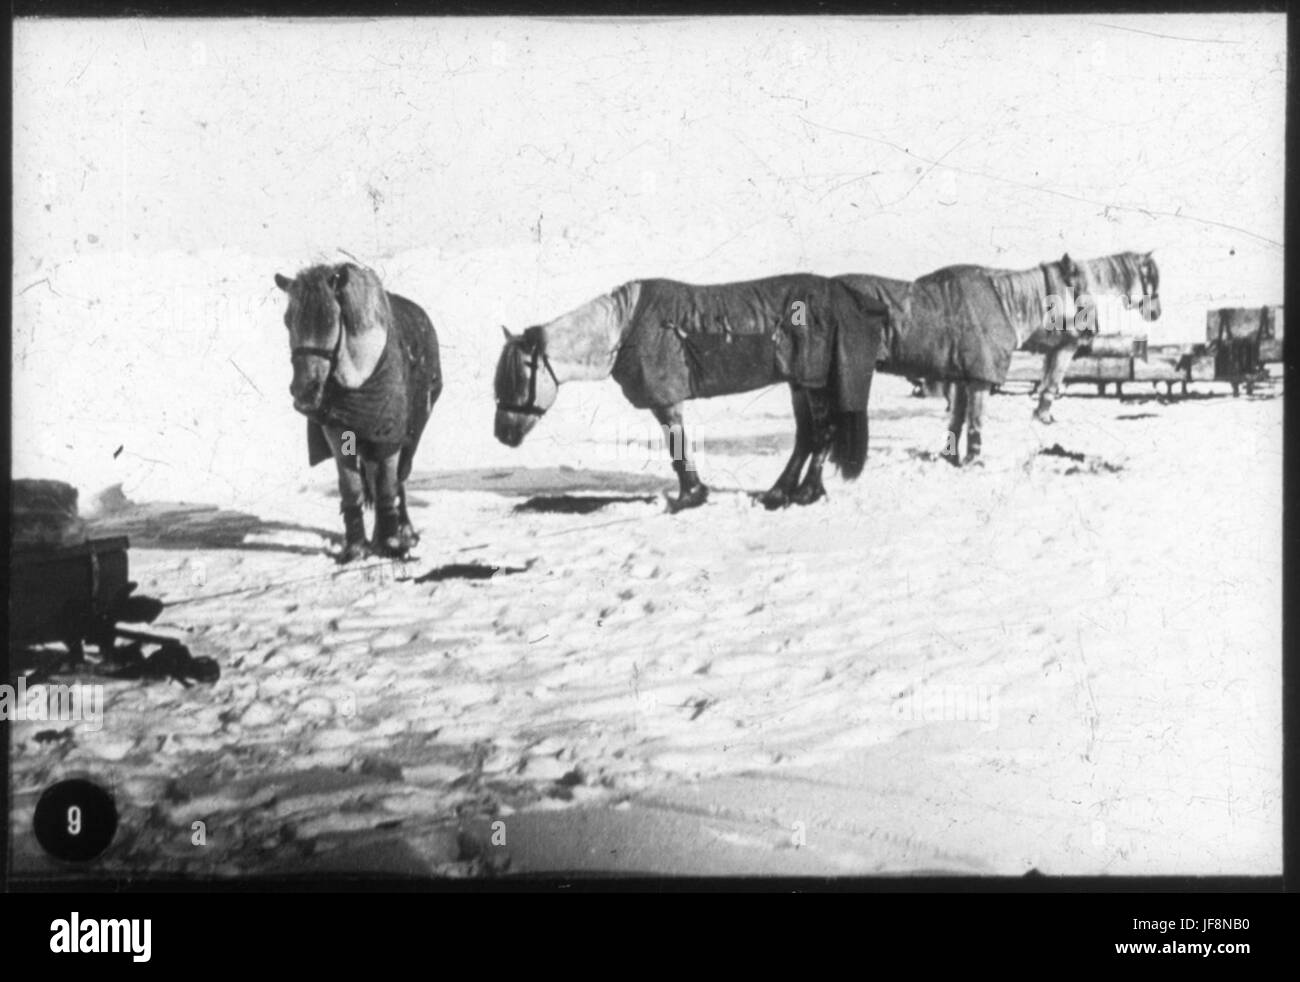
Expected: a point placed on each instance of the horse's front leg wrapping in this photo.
(389, 539)
(351, 493)
(407, 531)
(693, 491)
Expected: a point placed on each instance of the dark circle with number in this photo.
(75, 820)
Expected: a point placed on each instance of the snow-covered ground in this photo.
(1096, 639)
(1068, 659)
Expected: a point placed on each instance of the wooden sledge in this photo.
(1244, 341)
(68, 589)
(76, 595)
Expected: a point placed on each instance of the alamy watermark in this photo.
(1085, 313)
(66, 703)
(949, 704)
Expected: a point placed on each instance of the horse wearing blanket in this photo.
(1133, 276)
(665, 342)
(960, 324)
(366, 374)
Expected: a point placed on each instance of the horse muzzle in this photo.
(1149, 308)
(310, 401)
(511, 428)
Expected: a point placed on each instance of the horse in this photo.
(893, 292)
(366, 374)
(960, 324)
(665, 342)
(1133, 275)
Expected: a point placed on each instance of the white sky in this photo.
(705, 150)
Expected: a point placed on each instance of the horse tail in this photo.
(861, 324)
(849, 449)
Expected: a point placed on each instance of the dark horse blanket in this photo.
(958, 323)
(391, 408)
(689, 342)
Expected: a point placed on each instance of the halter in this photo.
(332, 356)
(531, 408)
(1145, 278)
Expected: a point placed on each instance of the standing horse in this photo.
(893, 294)
(1131, 275)
(960, 324)
(665, 342)
(366, 373)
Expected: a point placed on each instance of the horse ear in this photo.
(506, 331)
(283, 282)
(1065, 260)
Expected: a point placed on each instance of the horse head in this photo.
(338, 319)
(1148, 274)
(1132, 276)
(525, 385)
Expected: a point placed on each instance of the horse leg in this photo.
(779, 495)
(388, 540)
(693, 491)
(1056, 364)
(974, 421)
(351, 495)
(822, 428)
(405, 529)
(956, 420)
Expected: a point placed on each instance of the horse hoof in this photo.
(774, 499)
(973, 460)
(691, 499)
(391, 548)
(410, 538)
(806, 495)
(353, 551)
(1045, 418)
(950, 458)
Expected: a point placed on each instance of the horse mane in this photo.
(362, 299)
(1023, 295)
(589, 335)
(1121, 271)
(625, 298)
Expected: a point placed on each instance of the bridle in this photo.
(1148, 279)
(332, 356)
(530, 408)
